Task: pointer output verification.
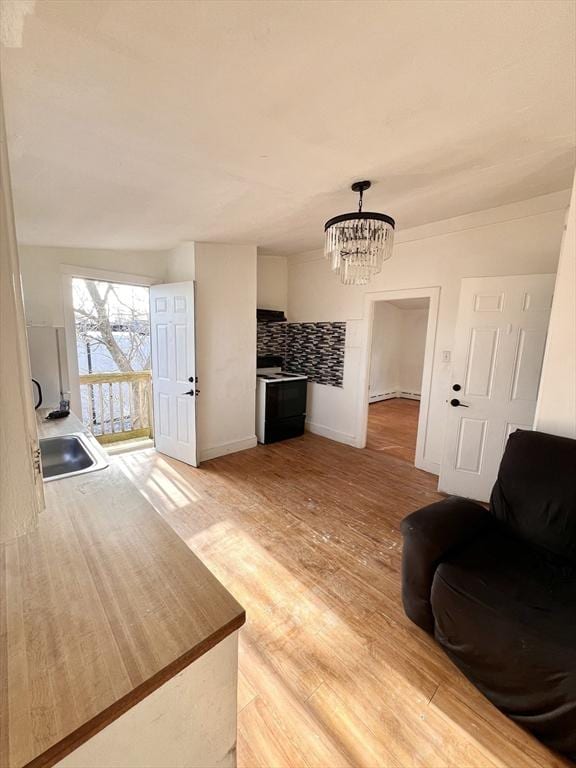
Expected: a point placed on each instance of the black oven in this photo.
(285, 399)
(285, 409)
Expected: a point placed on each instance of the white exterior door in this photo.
(498, 351)
(174, 369)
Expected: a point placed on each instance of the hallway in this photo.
(392, 428)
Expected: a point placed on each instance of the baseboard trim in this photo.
(331, 434)
(222, 450)
(383, 396)
(395, 394)
(408, 395)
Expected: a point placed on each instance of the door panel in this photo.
(162, 426)
(488, 302)
(174, 369)
(182, 420)
(498, 353)
(528, 363)
(162, 351)
(471, 441)
(159, 304)
(537, 299)
(180, 304)
(481, 360)
(181, 344)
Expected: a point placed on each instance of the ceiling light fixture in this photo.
(357, 244)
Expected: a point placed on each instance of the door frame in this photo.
(370, 299)
(70, 271)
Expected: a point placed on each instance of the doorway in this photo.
(396, 423)
(399, 329)
(112, 355)
(131, 354)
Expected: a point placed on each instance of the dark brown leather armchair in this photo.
(497, 587)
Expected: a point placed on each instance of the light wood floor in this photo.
(392, 428)
(305, 534)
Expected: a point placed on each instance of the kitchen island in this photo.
(118, 646)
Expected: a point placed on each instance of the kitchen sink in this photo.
(67, 455)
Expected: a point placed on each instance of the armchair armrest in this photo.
(429, 535)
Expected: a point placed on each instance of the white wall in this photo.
(385, 352)
(522, 238)
(42, 276)
(272, 282)
(413, 335)
(181, 263)
(397, 354)
(225, 343)
(556, 408)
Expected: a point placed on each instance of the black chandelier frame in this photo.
(360, 187)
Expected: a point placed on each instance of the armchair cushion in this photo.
(535, 493)
(430, 534)
(505, 612)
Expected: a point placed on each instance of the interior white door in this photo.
(174, 370)
(498, 351)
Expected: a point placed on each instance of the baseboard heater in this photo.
(394, 394)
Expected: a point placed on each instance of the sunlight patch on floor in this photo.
(160, 480)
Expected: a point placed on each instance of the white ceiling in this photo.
(410, 303)
(141, 124)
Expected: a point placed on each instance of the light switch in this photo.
(446, 356)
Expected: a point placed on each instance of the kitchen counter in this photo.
(100, 605)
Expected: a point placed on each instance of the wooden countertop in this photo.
(100, 605)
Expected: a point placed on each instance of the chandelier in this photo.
(357, 244)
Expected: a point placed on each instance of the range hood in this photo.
(270, 316)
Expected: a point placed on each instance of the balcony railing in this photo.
(117, 406)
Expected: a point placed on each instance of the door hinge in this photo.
(37, 460)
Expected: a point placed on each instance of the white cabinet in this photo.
(21, 491)
(189, 722)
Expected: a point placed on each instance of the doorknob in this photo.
(455, 403)
(190, 392)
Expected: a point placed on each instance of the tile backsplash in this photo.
(271, 339)
(316, 349)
